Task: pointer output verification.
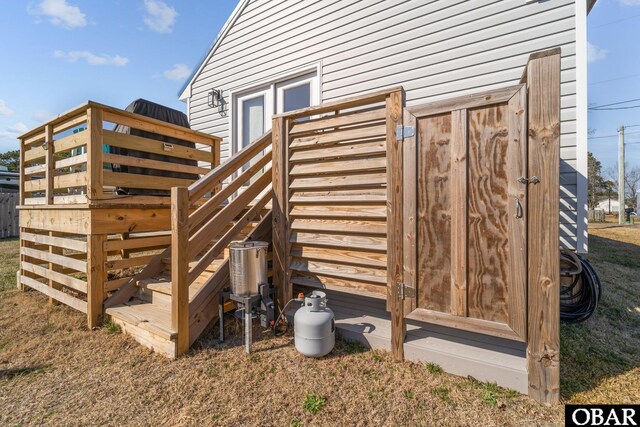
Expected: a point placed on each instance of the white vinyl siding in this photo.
(434, 49)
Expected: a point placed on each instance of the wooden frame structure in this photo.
(80, 241)
(342, 180)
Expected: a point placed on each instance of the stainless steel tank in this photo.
(248, 267)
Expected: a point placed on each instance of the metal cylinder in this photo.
(248, 267)
(314, 326)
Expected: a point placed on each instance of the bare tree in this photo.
(631, 182)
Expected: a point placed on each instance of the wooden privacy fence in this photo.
(450, 210)
(8, 215)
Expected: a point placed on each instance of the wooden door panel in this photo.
(434, 212)
(488, 225)
(469, 255)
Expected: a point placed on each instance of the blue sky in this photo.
(614, 76)
(59, 53)
(56, 54)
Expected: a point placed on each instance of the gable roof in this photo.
(185, 91)
(216, 42)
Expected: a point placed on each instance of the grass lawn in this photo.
(53, 371)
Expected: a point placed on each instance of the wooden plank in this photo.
(393, 115)
(71, 161)
(49, 164)
(343, 104)
(137, 121)
(152, 164)
(340, 167)
(130, 180)
(64, 261)
(63, 279)
(279, 208)
(135, 243)
(72, 141)
(115, 284)
(360, 149)
(459, 194)
(376, 197)
(434, 223)
(341, 285)
(54, 293)
(543, 350)
(466, 101)
(61, 242)
(147, 145)
(516, 168)
(119, 264)
(370, 180)
(346, 119)
(69, 123)
(96, 276)
(338, 137)
(409, 213)
(71, 180)
(180, 267)
(346, 256)
(376, 244)
(479, 326)
(340, 212)
(116, 220)
(488, 258)
(338, 270)
(370, 228)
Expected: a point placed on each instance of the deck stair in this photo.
(168, 305)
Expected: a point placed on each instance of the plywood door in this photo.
(468, 266)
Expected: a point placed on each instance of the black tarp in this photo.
(166, 114)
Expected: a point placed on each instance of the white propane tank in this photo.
(314, 326)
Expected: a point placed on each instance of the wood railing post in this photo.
(394, 105)
(49, 163)
(96, 257)
(280, 232)
(543, 350)
(94, 154)
(180, 267)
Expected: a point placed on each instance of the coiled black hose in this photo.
(580, 288)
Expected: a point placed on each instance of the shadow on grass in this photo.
(7, 374)
(608, 344)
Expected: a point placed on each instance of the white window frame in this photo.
(267, 93)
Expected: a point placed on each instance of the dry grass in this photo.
(53, 371)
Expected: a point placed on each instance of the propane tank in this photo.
(314, 326)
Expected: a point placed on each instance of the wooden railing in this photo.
(218, 218)
(69, 160)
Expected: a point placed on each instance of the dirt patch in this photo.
(54, 371)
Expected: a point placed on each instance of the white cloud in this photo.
(594, 53)
(42, 115)
(91, 58)
(4, 110)
(159, 16)
(12, 132)
(60, 13)
(178, 72)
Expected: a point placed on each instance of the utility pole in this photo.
(621, 218)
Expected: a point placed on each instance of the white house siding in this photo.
(434, 49)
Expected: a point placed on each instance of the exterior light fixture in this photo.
(215, 97)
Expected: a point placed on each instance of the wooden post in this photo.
(49, 163)
(96, 257)
(394, 105)
(22, 175)
(180, 267)
(280, 201)
(215, 160)
(543, 350)
(94, 154)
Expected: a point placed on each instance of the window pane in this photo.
(252, 120)
(297, 97)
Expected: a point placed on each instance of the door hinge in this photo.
(403, 132)
(405, 291)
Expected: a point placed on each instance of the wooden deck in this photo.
(366, 320)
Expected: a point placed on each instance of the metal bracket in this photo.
(405, 291)
(403, 132)
(532, 180)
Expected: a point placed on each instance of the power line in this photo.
(614, 79)
(615, 103)
(615, 22)
(612, 136)
(615, 108)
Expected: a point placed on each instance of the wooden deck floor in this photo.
(366, 320)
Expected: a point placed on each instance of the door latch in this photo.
(533, 180)
(518, 208)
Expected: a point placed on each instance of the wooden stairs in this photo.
(169, 304)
